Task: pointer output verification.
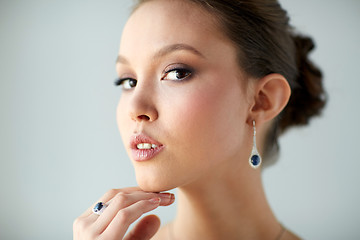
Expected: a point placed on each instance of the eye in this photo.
(126, 83)
(177, 74)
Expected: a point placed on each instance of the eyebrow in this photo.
(165, 51)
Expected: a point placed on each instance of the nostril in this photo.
(144, 117)
(139, 114)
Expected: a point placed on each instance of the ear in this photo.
(271, 95)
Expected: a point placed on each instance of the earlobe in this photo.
(271, 95)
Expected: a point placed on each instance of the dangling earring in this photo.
(255, 158)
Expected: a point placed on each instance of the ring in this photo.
(99, 208)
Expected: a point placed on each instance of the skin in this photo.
(204, 122)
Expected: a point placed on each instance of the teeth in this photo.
(146, 146)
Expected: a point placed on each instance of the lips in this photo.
(144, 148)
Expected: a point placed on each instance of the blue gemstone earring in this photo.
(255, 158)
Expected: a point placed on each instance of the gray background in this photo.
(59, 145)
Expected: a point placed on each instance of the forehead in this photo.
(160, 22)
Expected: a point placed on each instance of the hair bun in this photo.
(308, 96)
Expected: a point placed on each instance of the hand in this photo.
(124, 207)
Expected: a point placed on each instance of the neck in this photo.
(226, 205)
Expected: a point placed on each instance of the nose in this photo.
(142, 106)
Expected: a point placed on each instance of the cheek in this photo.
(209, 122)
(123, 120)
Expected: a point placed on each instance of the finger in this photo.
(86, 221)
(108, 196)
(144, 229)
(121, 201)
(126, 216)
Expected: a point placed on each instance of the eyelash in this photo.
(130, 81)
(122, 81)
(188, 73)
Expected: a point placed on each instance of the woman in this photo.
(208, 86)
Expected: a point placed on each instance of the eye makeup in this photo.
(126, 83)
(177, 72)
(173, 72)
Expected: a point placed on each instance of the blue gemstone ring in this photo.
(99, 208)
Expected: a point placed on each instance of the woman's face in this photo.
(183, 108)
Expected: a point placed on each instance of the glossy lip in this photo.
(141, 155)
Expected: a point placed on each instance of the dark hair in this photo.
(266, 43)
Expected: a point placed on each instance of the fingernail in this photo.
(155, 200)
(168, 200)
(172, 198)
(165, 195)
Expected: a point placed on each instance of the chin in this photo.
(154, 188)
(149, 186)
(154, 183)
